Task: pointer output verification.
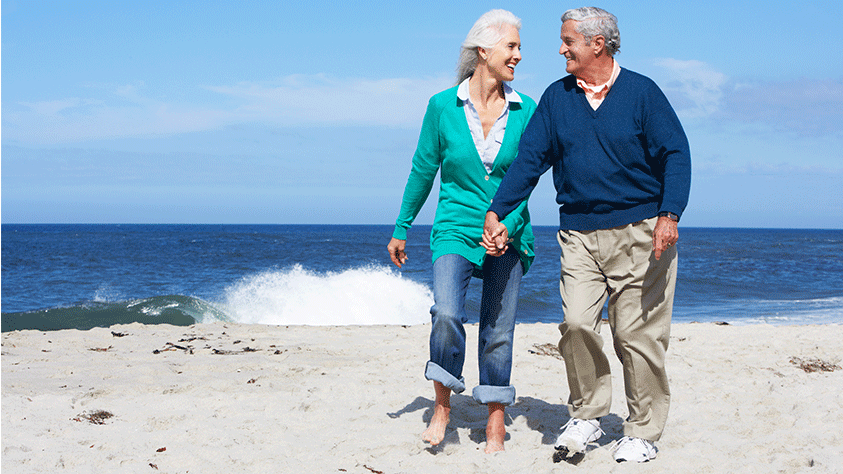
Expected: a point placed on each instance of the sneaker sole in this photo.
(571, 457)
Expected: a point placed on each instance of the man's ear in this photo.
(598, 43)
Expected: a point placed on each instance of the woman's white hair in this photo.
(486, 33)
(593, 21)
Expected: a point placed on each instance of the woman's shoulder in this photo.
(442, 102)
(445, 97)
(527, 105)
(527, 102)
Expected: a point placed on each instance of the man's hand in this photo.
(396, 251)
(665, 235)
(495, 235)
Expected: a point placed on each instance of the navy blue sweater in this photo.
(622, 163)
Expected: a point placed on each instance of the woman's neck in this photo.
(484, 89)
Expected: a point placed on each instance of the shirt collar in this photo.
(508, 92)
(616, 70)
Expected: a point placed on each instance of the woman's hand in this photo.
(396, 251)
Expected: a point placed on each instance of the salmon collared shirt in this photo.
(596, 94)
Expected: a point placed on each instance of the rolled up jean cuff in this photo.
(486, 394)
(436, 373)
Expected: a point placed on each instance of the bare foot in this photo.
(495, 428)
(435, 432)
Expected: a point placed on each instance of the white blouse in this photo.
(488, 146)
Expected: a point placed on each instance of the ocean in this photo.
(83, 276)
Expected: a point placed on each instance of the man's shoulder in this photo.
(638, 79)
(559, 88)
(565, 84)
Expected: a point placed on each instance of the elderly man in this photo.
(622, 172)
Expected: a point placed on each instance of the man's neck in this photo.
(600, 73)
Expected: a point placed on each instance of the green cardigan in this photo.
(466, 189)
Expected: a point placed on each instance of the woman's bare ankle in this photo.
(495, 428)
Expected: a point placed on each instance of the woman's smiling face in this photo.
(503, 58)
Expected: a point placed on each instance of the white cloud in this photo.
(694, 86)
(321, 99)
(51, 108)
(804, 106)
(297, 100)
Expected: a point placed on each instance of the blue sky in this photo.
(295, 112)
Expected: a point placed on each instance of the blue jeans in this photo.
(501, 279)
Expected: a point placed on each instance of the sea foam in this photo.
(357, 296)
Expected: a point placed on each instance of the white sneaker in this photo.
(577, 433)
(634, 450)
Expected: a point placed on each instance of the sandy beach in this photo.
(223, 398)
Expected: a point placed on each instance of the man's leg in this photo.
(640, 309)
(583, 289)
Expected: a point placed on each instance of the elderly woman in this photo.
(471, 132)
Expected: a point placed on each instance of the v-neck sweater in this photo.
(622, 163)
(466, 189)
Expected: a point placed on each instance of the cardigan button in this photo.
(487, 177)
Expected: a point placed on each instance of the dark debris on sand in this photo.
(95, 418)
(814, 365)
(546, 350)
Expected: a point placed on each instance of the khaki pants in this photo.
(619, 264)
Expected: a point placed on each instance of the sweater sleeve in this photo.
(426, 162)
(666, 140)
(534, 158)
(515, 220)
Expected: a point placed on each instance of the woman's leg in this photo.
(501, 280)
(495, 428)
(451, 276)
(435, 432)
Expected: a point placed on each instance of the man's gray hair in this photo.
(593, 21)
(486, 33)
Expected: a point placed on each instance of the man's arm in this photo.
(534, 158)
(666, 139)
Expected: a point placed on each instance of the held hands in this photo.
(396, 251)
(665, 235)
(495, 236)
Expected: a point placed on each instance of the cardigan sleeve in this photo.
(426, 161)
